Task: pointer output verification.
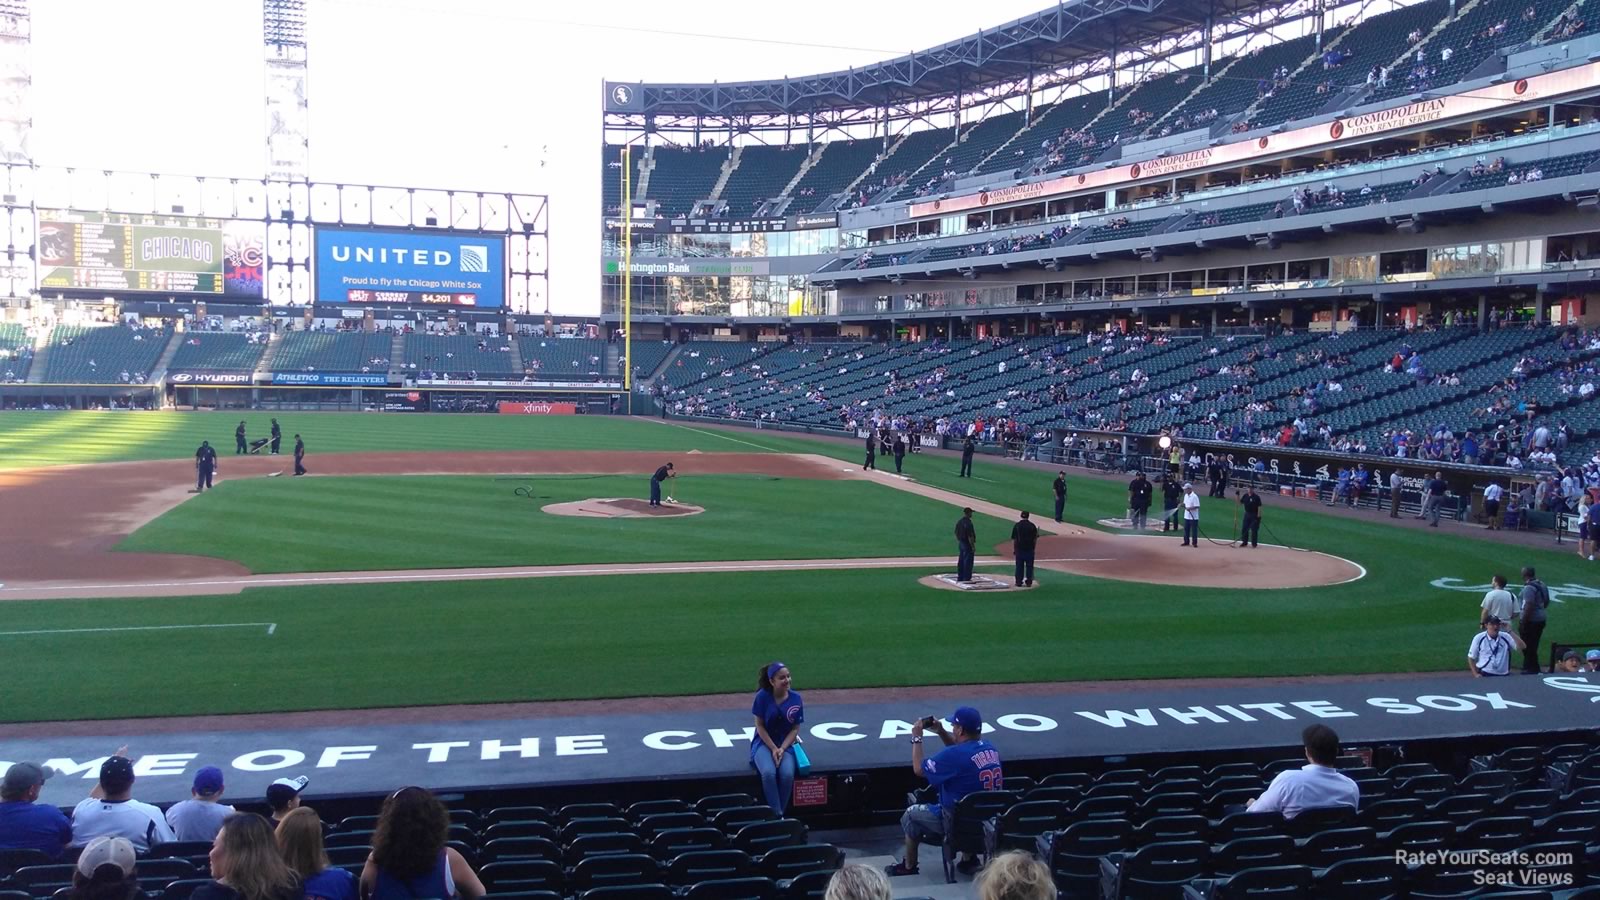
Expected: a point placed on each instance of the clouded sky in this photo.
(468, 94)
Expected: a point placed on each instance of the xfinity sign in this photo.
(364, 266)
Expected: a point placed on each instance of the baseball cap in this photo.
(208, 780)
(1493, 620)
(107, 851)
(1570, 654)
(1592, 654)
(968, 718)
(285, 789)
(116, 773)
(24, 775)
(1187, 486)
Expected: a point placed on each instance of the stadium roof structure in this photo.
(1067, 34)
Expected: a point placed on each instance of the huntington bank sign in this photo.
(852, 737)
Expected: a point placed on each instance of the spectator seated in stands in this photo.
(300, 841)
(409, 853)
(1314, 786)
(283, 795)
(110, 810)
(1016, 875)
(200, 817)
(25, 823)
(967, 764)
(105, 871)
(246, 864)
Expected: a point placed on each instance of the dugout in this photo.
(79, 396)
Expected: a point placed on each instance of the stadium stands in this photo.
(1138, 109)
(1468, 40)
(332, 351)
(108, 354)
(1373, 43)
(563, 359)
(984, 138)
(460, 354)
(215, 351)
(841, 162)
(1235, 87)
(762, 174)
(648, 356)
(902, 165)
(16, 352)
(683, 176)
(1050, 123)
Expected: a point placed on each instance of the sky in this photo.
(496, 95)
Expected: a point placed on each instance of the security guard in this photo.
(1060, 487)
(967, 449)
(1024, 538)
(899, 451)
(966, 545)
(1171, 493)
(299, 456)
(1250, 530)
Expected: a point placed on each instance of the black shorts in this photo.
(1491, 508)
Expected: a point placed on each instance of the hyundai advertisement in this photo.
(439, 268)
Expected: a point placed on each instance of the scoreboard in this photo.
(177, 254)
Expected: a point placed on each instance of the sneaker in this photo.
(967, 865)
(898, 868)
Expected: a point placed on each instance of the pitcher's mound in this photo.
(979, 582)
(1127, 524)
(621, 508)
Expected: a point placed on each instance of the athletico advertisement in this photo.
(335, 378)
(182, 254)
(536, 408)
(447, 269)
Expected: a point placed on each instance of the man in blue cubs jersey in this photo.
(968, 763)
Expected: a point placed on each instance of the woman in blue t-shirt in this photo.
(779, 712)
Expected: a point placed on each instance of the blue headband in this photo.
(774, 669)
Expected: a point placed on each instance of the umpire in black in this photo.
(1024, 538)
(1250, 530)
(205, 464)
(1060, 488)
(239, 443)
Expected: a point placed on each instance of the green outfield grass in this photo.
(29, 439)
(395, 522)
(381, 645)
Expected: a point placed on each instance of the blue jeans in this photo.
(777, 781)
(655, 492)
(964, 560)
(1191, 531)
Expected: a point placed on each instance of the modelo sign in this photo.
(440, 268)
(536, 408)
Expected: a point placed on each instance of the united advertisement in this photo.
(177, 254)
(442, 268)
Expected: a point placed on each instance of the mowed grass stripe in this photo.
(399, 522)
(457, 642)
(31, 438)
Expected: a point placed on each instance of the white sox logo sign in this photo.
(1573, 683)
(1557, 591)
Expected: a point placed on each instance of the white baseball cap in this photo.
(107, 851)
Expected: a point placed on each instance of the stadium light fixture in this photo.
(1165, 442)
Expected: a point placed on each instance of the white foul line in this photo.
(271, 627)
(716, 435)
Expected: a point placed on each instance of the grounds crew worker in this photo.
(239, 444)
(966, 540)
(1024, 537)
(1170, 495)
(1060, 487)
(1250, 530)
(299, 456)
(662, 474)
(205, 464)
(277, 437)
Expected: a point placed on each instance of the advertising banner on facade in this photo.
(405, 401)
(439, 268)
(331, 378)
(190, 378)
(536, 408)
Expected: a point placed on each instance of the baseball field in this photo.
(433, 559)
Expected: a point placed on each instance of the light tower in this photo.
(16, 127)
(283, 31)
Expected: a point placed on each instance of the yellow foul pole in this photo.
(627, 276)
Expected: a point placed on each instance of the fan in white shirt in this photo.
(1315, 786)
(110, 810)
